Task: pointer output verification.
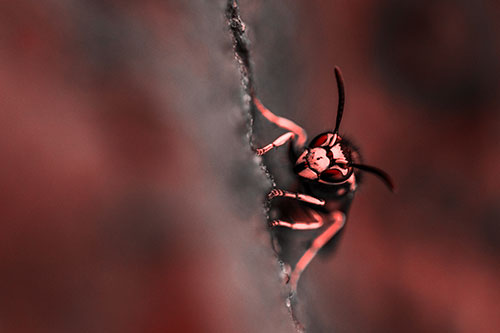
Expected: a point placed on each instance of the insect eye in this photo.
(332, 176)
(319, 140)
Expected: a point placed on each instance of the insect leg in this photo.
(276, 143)
(338, 222)
(299, 196)
(300, 225)
(301, 135)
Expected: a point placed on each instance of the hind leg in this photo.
(316, 223)
(338, 219)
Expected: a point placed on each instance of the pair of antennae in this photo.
(340, 111)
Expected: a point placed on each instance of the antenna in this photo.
(378, 172)
(340, 109)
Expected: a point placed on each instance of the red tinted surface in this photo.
(421, 80)
(130, 203)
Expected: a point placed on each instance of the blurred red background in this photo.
(131, 202)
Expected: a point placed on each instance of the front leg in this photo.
(298, 196)
(338, 219)
(276, 143)
(283, 123)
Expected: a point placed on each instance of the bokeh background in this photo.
(131, 201)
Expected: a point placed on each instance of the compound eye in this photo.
(319, 140)
(323, 140)
(332, 176)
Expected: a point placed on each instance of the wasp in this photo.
(328, 171)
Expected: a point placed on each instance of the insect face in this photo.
(326, 160)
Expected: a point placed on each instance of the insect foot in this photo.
(260, 151)
(275, 193)
(274, 223)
